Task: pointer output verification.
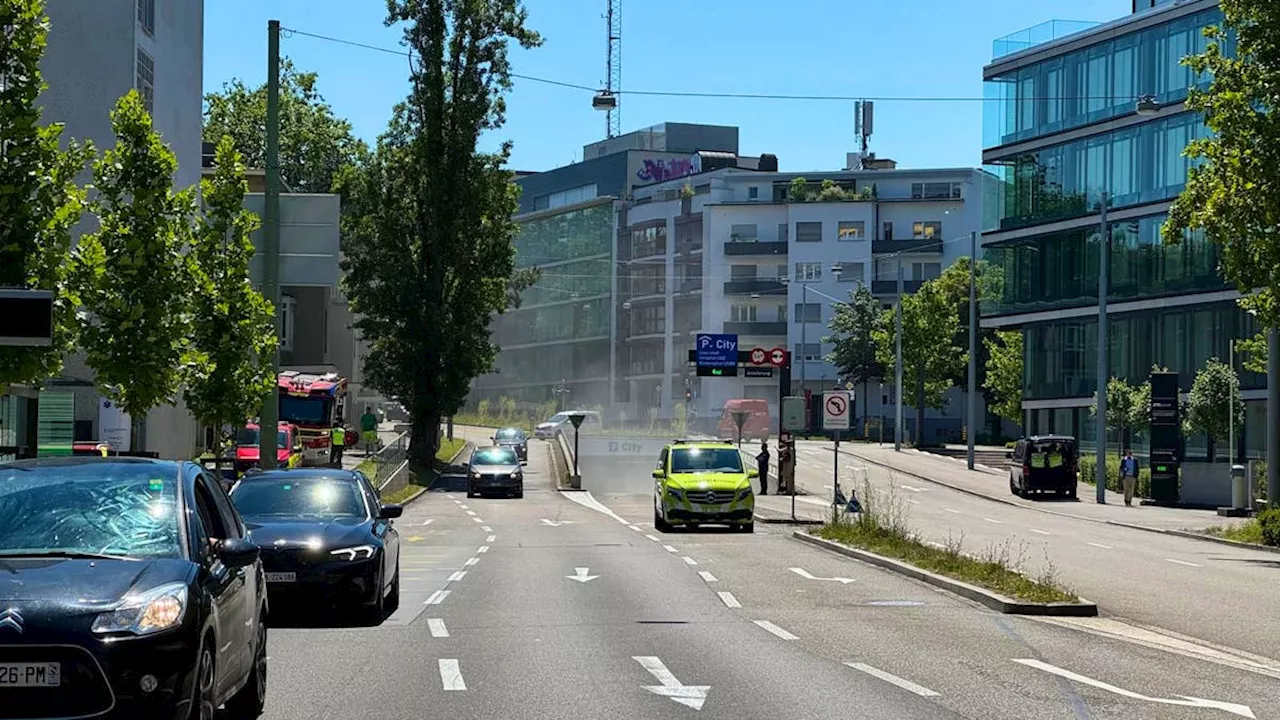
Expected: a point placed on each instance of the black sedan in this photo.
(514, 438)
(495, 470)
(325, 536)
(129, 591)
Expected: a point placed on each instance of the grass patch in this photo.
(399, 496)
(368, 467)
(881, 528)
(1247, 532)
(449, 448)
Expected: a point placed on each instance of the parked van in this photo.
(757, 425)
(1044, 463)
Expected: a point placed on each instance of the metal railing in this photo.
(389, 464)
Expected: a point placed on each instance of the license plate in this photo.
(30, 674)
(282, 577)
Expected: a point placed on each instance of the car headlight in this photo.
(359, 552)
(153, 611)
(675, 493)
(744, 493)
(475, 476)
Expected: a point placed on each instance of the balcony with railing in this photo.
(771, 328)
(918, 245)
(754, 286)
(739, 248)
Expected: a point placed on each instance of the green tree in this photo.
(428, 251)
(315, 144)
(1233, 195)
(39, 198)
(1253, 353)
(232, 323)
(133, 275)
(799, 190)
(1004, 373)
(853, 338)
(1124, 407)
(928, 364)
(1214, 403)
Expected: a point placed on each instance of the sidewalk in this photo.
(994, 484)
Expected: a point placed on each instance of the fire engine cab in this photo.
(313, 402)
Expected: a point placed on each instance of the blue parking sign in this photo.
(716, 350)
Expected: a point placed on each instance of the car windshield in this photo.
(559, 418)
(304, 410)
(494, 456)
(510, 434)
(323, 497)
(128, 510)
(248, 437)
(698, 460)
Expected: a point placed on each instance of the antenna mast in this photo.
(613, 67)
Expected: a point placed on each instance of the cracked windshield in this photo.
(407, 359)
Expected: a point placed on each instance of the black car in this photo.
(495, 469)
(127, 590)
(514, 438)
(325, 536)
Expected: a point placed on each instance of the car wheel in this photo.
(393, 597)
(375, 612)
(249, 701)
(202, 705)
(1072, 493)
(1013, 489)
(658, 523)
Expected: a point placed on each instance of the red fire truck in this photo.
(313, 402)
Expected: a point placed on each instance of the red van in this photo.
(757, 425)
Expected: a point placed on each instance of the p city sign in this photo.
(717, 351)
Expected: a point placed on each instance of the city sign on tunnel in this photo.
(717, 350)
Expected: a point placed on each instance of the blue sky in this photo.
(864, 48)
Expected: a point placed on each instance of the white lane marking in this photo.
(580, 574)
(1185, 701)
(556, 523)
(653, 538)
(729, 600)
(449, 496)
(471, 512)
(893, 679)
(586, 500)
(491, 538)
(437, 597)
(461, 505)
(912, 488)
(486, 528)
(997, 522)
(471, 561)
(952, 511)
(1182, 562)
(669, 549)
(635, 527)
(707, 576)
(451, 675)
(765, 624)
(428, 521)
(1100, 545)
(807, 576)
(476, 519)
(482, 549)
(689, 561)
(1042, 532)
(913, 502)
(688, 695)
(457, 576)
(437, 628)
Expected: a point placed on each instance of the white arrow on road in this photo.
(556, 523)
(690, 695)
(1185, 700)
(805, 574)
(582, 576)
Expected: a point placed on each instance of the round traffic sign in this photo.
(778, 357)
(837, 405)
(758, 356)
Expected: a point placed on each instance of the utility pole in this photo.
(897, 371)
(973, 344)
(1104, 259)
(1273, 418)
(270, 415)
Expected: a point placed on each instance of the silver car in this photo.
(495, 470)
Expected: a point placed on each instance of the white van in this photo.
(559, 423)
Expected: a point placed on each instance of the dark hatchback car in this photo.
(495, 470)
(129, 591)
(325, 537)
(515, 439)
(1044, 463)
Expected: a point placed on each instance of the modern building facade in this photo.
(1066, 136)
(96, 52)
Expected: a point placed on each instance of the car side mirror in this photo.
(237, 553)
(753, 473)
(658, 474)
(390, 512)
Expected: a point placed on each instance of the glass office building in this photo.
(1063, 134)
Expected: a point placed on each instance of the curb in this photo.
(465, 444)
(773, 517)
(996, 602)
(1223, 541)
(421, 491)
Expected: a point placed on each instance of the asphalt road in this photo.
(1207, 591)
(563, 606)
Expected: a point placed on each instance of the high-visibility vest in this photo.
(338, 436)
(1037, 460)
(1055, 460)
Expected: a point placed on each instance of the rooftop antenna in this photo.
(607, 99)
(863, 124)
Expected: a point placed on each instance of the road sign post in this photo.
(576, 419)
(740, 419)
(835, 416)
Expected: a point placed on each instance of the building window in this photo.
(925, 270)
(781, 273)
(742, 233)
(649, 241)
(935, 191)
(288, 313)
(852, 272)
(782, 313)
(808, 312)
(926, 230)
(810, 352)
(782, 232)
(147, 16)
(146, 79)
(851, 230)
(743, 313)
(753, 193)
(808, 232)
(887, 231)
(742, 272)
(808, 271)
(571, 196)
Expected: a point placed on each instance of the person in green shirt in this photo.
(369, 430)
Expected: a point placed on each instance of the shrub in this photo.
(1269, 520)
(1087, 474)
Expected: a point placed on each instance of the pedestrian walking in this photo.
(762, 460)
(1128, 475)
(369, 430)
(337, 443)
(786, 470)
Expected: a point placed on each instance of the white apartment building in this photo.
(742, 254)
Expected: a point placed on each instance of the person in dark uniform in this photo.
(762, 460)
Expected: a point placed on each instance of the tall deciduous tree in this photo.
(39, 199)
(1234, 195)
(232, 330)
(133, 274)
(852, 335)
(315, 144)
(1004, 373)
(1214, 403)
(929, 360)
(428, 245)
(1124, 407)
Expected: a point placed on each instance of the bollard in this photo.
(1239, 489)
